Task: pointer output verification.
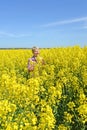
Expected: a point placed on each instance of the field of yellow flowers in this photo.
(53, 97)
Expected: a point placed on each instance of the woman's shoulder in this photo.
(30, 59)
(39, 57)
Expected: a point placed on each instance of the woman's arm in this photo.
(30, 66)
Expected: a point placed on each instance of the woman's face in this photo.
(36, 52)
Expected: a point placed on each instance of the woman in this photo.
(34, 59)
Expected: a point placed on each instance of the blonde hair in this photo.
(34, 48)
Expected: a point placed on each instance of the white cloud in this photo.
(82, 19)
(13, 35)
(85, 27)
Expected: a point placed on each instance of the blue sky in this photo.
(43, 23)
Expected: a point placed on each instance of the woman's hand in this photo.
(30, 68)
